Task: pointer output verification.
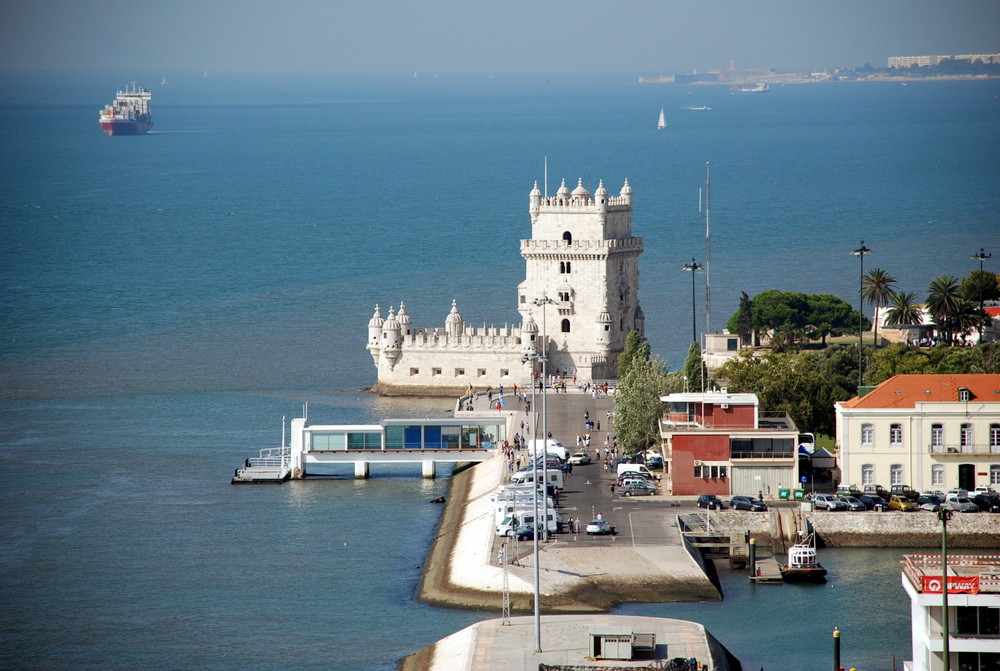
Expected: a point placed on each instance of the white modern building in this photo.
(580, 294)
(932, 432)
(973, 598)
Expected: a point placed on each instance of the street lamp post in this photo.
(532, 356)
(944, 515)
(861, 251)
(543, 301)
(981, 256)
(693, 267)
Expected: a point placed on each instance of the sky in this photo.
(644, 37)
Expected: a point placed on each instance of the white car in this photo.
(599, 528)
(579, 459)
(960, 504)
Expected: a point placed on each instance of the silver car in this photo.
(828, 502)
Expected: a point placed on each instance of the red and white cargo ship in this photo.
(129, 114)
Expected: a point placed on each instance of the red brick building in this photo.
(720, 443)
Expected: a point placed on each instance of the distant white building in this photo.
(581, 257)
(973, 589)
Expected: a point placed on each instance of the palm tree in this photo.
(944, 303)
(903, 310)
(877, 290)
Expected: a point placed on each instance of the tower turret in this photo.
(601, 197)
(534, 202)
(603, 337)
(626, 193)
(375, 334)
(454, 325)
(391, 339)
(405, 323)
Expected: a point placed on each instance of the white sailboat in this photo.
(662, 123)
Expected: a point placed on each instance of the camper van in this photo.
(528, 476)
(552, 447)
(508, 525)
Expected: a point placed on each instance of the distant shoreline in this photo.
(801, 78)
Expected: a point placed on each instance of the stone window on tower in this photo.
(565, 267)
(564, 296)
(568, 238)
(565, 326)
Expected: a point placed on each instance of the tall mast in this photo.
(708, 248)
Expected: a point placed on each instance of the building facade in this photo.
(578, 302)
(720, 443)
(932, 432)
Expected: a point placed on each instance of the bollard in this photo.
(836, 650)
(753, 553)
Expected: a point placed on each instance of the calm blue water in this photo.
(167, 298)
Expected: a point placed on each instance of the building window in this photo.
(867, 474)
(966, 437)
(937, 438)
(964, 394)
(414, 371)
(994, 437)
(995, 474)
(977, 621)
(867, 434)
(564, 296)
(731, 345)
(565, 267)
(568, 237)
(896, 474)
(565, 326)
(697, 471)
(504, 372)
(481, 372)
(459, 372)
(435, 371)
(937, 475)
(524, 299)
(896, 434)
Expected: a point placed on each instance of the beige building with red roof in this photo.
(932, 432)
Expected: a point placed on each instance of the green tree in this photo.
(633, 350)
(876, 288)
(903, 310)
(694, 368)
(944, 301)
(638, 408)
(741, 323)
(782, 313)
(987, 281)
(897, 359)
(830, 315)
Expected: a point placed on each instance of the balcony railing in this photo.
(973, 449)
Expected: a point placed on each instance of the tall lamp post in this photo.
(944, 515)
(981, 256)
(542, 302)
(861, 251)
(693, 267)
(532, 356)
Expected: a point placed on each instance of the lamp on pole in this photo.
(693, 267)
(981, 256)
(532, 356)
(542, 302)
(944, 515)
(861, 251)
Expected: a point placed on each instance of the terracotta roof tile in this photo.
(904, 391)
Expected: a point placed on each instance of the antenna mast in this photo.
(708, 248)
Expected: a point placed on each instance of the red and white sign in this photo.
(956, 584)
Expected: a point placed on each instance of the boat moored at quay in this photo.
(129, 114)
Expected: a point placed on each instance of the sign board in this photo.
(956, 584)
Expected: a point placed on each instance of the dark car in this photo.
(874, 502)
(989, 503)
(710, 501)
(654, 462)
(525, 532)
(905, 491)
(877, 490)
(853, 504)
(747, 503)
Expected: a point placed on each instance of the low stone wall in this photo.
(911, 529)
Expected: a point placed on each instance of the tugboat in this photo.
(802, 565)
(129, 114)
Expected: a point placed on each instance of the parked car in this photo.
(899, 502)
(989, 503)
(848, 490)
(961, 504)
(637, 488)
(852, 503)
(710, 501)
(877, 490)
(624, 477)
(873, 502)
(828, 502)
(982, 489)
(600, 528)
(905, 491)
(625, 483)
(929, 503)
(525, 532)
(747, 503)
(580, 459)
(654, 462)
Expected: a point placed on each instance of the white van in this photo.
(635, 468)
(507, 526)
(528, 477)
(551, 445)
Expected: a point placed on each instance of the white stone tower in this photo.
(582, 255)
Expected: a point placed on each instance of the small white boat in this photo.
(802, 565)
(662, 123)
